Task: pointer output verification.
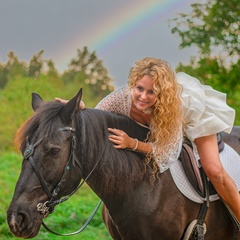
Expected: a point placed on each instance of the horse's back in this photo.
(233, 138)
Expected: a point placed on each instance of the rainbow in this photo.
(117, 26)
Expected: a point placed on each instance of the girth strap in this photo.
(198, 230)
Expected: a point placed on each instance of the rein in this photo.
(47, 208)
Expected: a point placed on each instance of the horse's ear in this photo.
(72, 107)
(37, 101)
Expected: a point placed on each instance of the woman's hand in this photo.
(61, 100)
(81, 105)
(120, 139)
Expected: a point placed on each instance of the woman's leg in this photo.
(223, 183)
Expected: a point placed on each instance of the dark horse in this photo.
(62, 144)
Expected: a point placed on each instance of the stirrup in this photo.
(190, 229)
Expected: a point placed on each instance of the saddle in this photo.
(201, 184)
(194, 173)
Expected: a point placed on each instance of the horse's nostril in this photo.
(22, 218)
(18, 222)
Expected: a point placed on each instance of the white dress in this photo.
(205, 111)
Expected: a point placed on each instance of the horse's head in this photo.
(47, 141)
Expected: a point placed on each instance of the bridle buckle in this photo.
(43, 209)
(28, 151)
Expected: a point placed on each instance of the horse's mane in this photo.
(120, 169)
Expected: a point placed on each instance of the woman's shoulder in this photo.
(192, 90)
(124, 89)
(186, 80)
(119, 101)
(121, 91)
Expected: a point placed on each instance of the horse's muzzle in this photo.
(21, 224)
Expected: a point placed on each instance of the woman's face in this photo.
(143, 96)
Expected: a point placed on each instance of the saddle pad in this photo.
(231, 162)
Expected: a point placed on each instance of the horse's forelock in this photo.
(22, 132)
(42, 121)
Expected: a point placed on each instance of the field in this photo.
(68, 217)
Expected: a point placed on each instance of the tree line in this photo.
(18, 79)
(86, 67)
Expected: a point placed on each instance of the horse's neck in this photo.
(115, 171)
(92, 139)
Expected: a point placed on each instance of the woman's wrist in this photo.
(136, 144)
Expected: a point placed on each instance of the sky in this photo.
(120, 31)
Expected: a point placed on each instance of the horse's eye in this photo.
(54, 151)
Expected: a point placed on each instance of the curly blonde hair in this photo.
(167, 117)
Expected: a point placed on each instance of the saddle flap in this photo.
(191, 169)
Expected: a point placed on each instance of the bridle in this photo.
(43, 208)
(47, 208)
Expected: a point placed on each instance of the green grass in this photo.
(68, 216)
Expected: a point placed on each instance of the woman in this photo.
(173, 107)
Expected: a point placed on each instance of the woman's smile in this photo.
(143, 96)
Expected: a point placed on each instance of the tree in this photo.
(3, 76)
(89, 71)
(51, 67)
(15, 66)
(35, 65)
(210, 71)
(212, 26)
(12, 68)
